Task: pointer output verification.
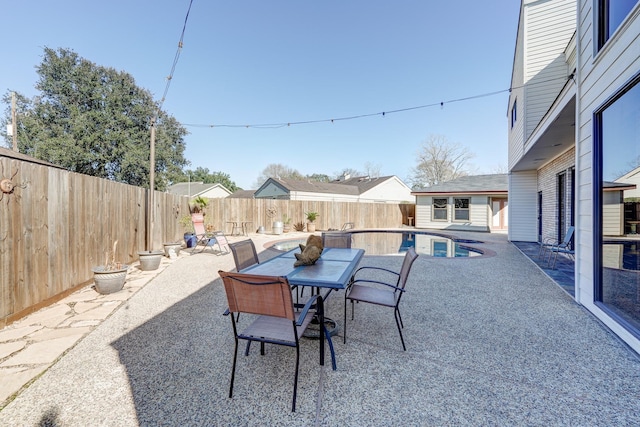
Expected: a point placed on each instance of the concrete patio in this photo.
(490, 340)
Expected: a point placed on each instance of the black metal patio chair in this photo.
(375, 291)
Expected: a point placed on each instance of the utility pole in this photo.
(152, 177)
(14, 124)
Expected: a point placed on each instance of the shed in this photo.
(471, 203)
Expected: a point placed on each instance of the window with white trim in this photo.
(611, 13)
(461, 209)
(440, 209)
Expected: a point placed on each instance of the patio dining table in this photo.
(333, 271)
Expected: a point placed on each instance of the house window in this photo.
(439, 209)
(617, 245)
(611, 13)
(461, 209)
(514, 113)
(439, 248)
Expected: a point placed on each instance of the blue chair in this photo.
(550, 243)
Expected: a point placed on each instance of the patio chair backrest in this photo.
(336, 240)
(262, 295)
(244, 254)
(568, 236)
(409, 258)
(198, 224)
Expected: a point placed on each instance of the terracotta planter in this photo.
(109, 281)
(311, 227)
(150, 260)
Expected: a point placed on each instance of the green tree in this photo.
(96, 121)
(319, 177)
(201, 174)
(440, 160)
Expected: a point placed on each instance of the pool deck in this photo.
(490, 341)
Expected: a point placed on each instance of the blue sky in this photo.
(255, 62)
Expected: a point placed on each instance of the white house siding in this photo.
(600, 75)
(523, 194)
(325, 197)
(215, 193)
(631, 178)
(479, 213)
(516, 132)
(548, 185)
(391, 191)
(549, 26)
(423, 211)
(612, 214)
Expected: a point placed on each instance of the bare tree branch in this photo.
(440, 160)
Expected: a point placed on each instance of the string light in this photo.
(441, 104)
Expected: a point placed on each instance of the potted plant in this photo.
(286, 223)
(172, 249)
(189, 232)
(311, 217)
(199, 205)
(150, 260)
(110, 277)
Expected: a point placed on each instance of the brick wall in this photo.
(548, 185)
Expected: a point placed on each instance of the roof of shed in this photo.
(495, 183)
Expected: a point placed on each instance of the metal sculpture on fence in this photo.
(7, 186)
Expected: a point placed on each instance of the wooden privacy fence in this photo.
(56, 225)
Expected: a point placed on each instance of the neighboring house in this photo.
(473, 203)
(573, 117)
(613, 194)
(632, 178)
(242, 194)
(195, 189)
(388, 189)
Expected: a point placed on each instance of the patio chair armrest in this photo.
(310, 303)
(380, 283)
(366, 267)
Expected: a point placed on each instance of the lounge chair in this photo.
(208, 238)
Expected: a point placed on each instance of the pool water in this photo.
(398, 242)
(623, 255)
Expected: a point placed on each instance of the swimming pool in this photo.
(621, 254)
(394, 242)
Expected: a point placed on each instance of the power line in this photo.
(175, 59)
(361, 116)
